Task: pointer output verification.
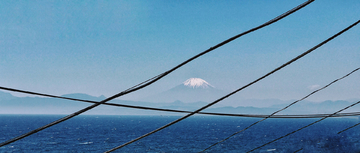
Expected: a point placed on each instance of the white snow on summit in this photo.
(196, 83)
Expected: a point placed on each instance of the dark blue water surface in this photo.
(90, 133)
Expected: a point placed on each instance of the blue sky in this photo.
(104, 47)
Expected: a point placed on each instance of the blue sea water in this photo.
(91, 133)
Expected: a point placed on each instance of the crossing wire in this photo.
(304, 127)
(222, 98)
(332, 82)
(156, 78)
(182, 111)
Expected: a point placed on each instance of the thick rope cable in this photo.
(332, 82)
(142, 83)
(305, 126)
(182, 111)
(156, 78)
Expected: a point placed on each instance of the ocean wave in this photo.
(85, 143)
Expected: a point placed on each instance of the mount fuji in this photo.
(191, 90)
(197, 83)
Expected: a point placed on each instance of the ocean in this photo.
(99, 133)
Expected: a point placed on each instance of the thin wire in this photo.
(305, 126)
(182, 111)
(282, 109)
(348, 128)
(298, 150)
(156, 78)
(289, 62)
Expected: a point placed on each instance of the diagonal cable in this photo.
(298, 150)
(305, 126)
(283, 108)
(156, 78)
(348, 128)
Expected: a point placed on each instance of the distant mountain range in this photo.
(191, 95)
(41, 105)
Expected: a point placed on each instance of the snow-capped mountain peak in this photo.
(197, 83)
